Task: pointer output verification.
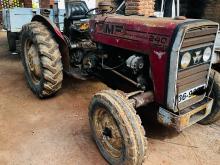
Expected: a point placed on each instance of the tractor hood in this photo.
(136, 33)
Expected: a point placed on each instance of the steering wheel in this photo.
(99, 11)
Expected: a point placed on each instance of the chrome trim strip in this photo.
(174, 61)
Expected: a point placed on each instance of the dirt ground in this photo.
(56, 131)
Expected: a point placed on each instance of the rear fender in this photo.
(63, 47)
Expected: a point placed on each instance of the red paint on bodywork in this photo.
(150, 36)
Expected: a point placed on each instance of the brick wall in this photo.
(27, 3)
(139, 7)
(135, 7)
(207, 9)
(46, 3)
(211, 11)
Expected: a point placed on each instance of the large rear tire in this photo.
(41, 59)
(117, 129)
(215, 94)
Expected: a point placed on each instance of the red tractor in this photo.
(163, 61)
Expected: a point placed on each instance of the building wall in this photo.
(211, 11)
(207, 9)
(46, 3)
(27, 3)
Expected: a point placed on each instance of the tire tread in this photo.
(50, 58)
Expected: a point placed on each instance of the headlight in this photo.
(185, 61)
(207, 54)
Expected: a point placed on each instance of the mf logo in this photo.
(197, 57)
(112, 28)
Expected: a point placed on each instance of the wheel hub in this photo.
(108, 133)
(33, 61)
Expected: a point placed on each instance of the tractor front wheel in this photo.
(117, 129)
(41, 59)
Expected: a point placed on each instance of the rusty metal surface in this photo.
(32, 61)
(199, 35)
(142, 99)
(192, 78)
(190, 102)
(108, 132)
(198, 40)
(200, 32)
(182, 88)
(193, 71)
(187, 117)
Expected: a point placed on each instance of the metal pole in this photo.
(120, 6)
(56, 13)
(162, 6)
(173, 9)
(178, 7)
(162, 9)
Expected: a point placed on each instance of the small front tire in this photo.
(117, 129)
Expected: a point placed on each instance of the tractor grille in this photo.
(197, 36)
(190, 79)
(196, 74)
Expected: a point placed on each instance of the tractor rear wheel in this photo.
(215, 93)
(117, 128)
(41, 59)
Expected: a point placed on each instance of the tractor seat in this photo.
(77, 11)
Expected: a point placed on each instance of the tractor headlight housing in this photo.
(207, 54)
(185, 61)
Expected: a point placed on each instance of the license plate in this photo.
(188, 94)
